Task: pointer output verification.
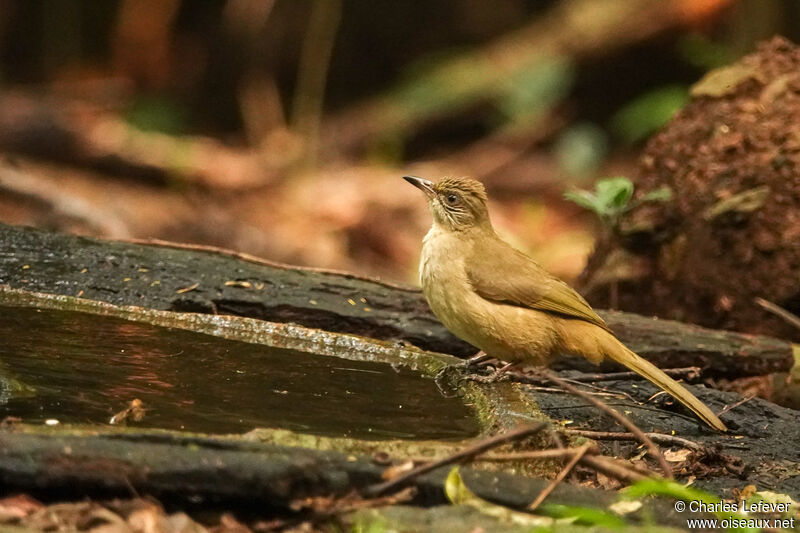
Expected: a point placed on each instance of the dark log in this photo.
(167, 278)
(233, 471)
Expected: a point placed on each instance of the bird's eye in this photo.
(452, 198)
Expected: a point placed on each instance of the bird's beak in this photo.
(425, 186)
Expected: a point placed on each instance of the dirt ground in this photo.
(731, 233)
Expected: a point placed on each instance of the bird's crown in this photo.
(465, 186)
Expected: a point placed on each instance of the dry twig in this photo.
(660, 438)
(689, 372)
(737, 404)
(266, 262)
(613, 468)
(462, 455)
(775, 309)
(616, 415)
(553, 453)
(579, 453)
(608, 466)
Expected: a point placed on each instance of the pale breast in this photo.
(507, 332)
(443, 279)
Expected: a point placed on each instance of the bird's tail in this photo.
(610, 346)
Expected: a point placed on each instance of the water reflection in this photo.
(84, 368)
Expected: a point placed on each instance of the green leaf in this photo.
(458, 493)
(455, 489)
(672, 489)
(665, 487)
(584, 199)
(614, 193)
(701, 52)
(583, 515)
(160, 114)
(611, 197)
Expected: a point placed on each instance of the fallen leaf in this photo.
(16, 507)
(397, 470)
(191, 287)
(678, 456)
(624, 507)
(235, 283)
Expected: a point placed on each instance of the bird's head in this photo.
(457, 203)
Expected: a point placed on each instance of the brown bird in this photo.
(501, 301)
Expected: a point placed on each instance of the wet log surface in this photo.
(761, 446)
(166, 278)
(231, 472)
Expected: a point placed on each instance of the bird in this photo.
(501, 301)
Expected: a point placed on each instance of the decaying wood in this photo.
(179, 468)
(460, 456)
(128, 274)
(618, 417)
(160, 277)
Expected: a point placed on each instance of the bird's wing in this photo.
(502, 274)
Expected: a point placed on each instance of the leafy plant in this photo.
(611, 198)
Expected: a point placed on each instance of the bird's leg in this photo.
(498, 375)
(477, 359)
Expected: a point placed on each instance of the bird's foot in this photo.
(450, 376)
(479, 360)
(500, 374)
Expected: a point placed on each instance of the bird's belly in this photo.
(514, 334)
(510, 333)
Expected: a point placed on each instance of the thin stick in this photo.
(775, 309)
(462, 455)
(216, 250)
(560, 477)
(689, 372)
(737, 404)
(602, 391)
(660, 438)
(553, 453)
(612, 468)
(534, 382)
(606, 465)
(633, 428)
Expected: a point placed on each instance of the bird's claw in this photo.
(448, 378)
(499, 374)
